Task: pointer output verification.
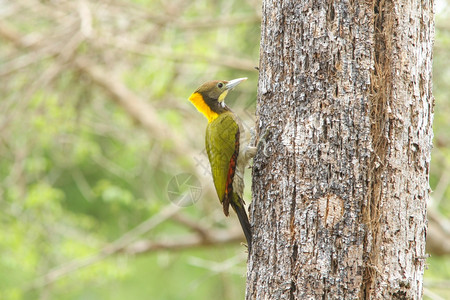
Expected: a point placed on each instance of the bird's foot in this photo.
(263, 139)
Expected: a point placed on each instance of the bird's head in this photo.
(209, 97)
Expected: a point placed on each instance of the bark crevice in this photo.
(380, 91)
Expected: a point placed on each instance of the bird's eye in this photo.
(220, 85)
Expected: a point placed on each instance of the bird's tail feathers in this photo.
(239, 208)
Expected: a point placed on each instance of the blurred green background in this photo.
(96, 128)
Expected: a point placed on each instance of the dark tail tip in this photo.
(245, 224)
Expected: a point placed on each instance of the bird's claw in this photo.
(263, 139)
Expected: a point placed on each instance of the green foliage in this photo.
(78, 171)
(177, 276)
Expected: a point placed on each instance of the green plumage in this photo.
(220, 143)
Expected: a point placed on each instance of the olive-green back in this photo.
(220, 146)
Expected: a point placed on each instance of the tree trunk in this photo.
(340, 183)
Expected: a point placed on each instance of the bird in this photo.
(228, 149)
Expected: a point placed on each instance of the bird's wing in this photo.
(222, 146)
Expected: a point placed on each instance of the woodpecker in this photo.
(227, 147)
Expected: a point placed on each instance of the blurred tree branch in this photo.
(137, 108)
(213, 238)
(438, 234)
(116, 246)
(126, 245)
(168, 54)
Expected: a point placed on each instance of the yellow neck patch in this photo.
(200, 104)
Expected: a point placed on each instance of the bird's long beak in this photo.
(232, 83)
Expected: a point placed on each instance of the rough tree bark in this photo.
(341, 184)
